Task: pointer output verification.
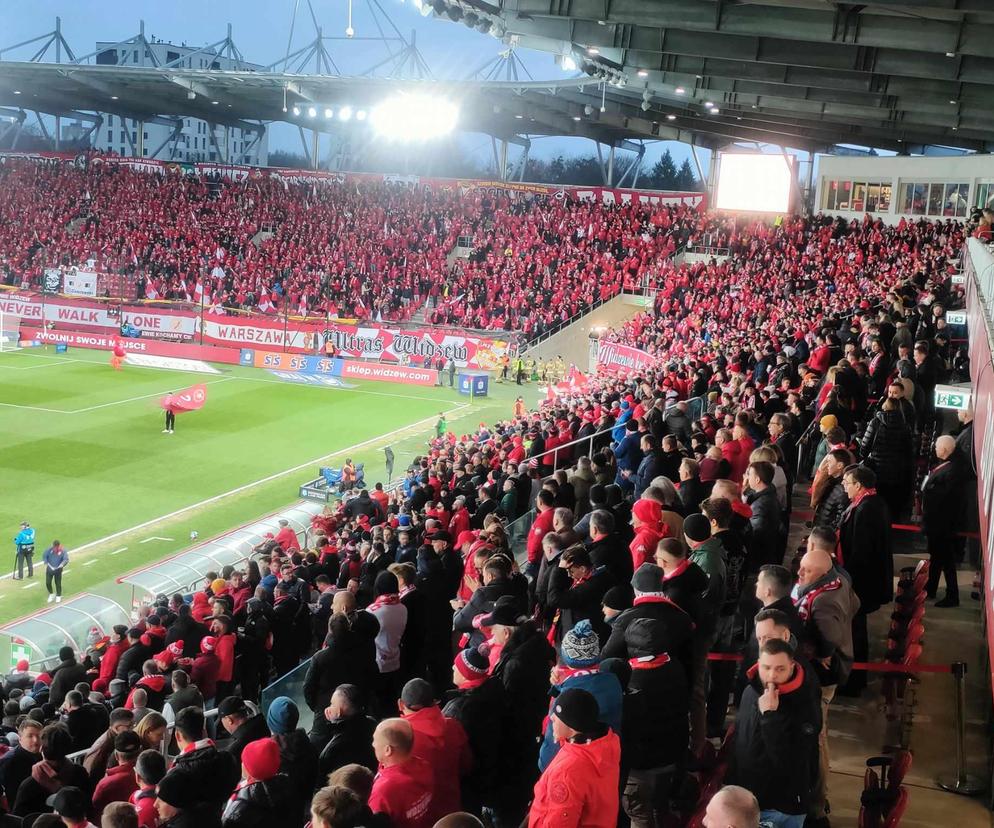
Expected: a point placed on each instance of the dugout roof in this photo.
(186, 571)
(884, 73)
(66, 625)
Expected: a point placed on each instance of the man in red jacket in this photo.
(440, 741)
(149, 770)
(647, 519)
(580, 786)
(404, 787)
(545, 505)
(119, 782)
(108, 664)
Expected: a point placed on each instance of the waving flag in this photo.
(189, 399)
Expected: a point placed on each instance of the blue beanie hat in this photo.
(581, 647)
(403, 522)
(282, 716)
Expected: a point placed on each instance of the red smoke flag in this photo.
(189, 399)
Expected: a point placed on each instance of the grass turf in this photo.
(82, 455)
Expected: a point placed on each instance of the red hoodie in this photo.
(643, 547)
(579, 789)
(108, 664)
(225, 651)
(540, 528)
(443, 744)
(405, 792)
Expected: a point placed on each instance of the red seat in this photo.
(897, 809)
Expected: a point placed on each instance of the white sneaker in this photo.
(58, 599)
(51, 598)
(165, 431)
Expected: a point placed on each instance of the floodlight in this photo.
(708, 104)
(671, 117)
(17, 91)
(576, 117)
(349, 32)
(360, 115)
(329, 112)
(567, 63)
(345, 113)
(714, 110)
(414, 117)
(642, 73)
(593, 50)
(312, 112)
(679, 90)
(296, 111)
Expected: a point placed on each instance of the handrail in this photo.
(79, 755)
(559, 326)
(589, 438)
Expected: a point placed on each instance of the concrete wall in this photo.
(572, 343)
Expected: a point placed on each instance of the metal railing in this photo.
(209, 716)
(559, 326)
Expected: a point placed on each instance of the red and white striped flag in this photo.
(151, 292)
(264, 304)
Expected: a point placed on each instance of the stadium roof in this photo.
(884, 73)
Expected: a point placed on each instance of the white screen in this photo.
(754, 183)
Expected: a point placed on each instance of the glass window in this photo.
(845, 193)
(831, 191)
(935, 199)
(960, 193)
(858, 203)
(110, 136)
(872, 197)
(883, 206)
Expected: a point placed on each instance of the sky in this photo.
(261, 30)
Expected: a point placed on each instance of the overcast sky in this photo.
(261, 29)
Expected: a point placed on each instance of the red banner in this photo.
(613, 356)
(189, 399)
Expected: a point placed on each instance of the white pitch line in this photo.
(37, 367)
(134, 399)
(35, 408)
(32, 584)
(90, 563)
(154, 538)
(119, 551)
(252, 485)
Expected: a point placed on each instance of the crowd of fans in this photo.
(448, 679)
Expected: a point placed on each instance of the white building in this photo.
(198, 141)
(904, 186)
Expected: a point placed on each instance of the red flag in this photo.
(189, 399)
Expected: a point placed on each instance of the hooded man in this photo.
(647, 520)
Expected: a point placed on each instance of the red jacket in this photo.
(117, 786)
(225, 651)
(287, 539)
(443, 744)
(643, 546)
(404, 793)
(540, 528)
(144, 802)
(732, 452)
(459, 522)
(204, 674)
(579, 789)
(108, 664)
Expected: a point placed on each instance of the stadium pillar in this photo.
(610, 166)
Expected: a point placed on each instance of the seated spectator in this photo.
(207, 776)
(72, 805)
(264, 796)
(580, 785)
(96, 759)
(120, 815)
(120, 781)
(404, 788)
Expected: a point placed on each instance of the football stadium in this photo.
(489, 413)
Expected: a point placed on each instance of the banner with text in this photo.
(613, 356)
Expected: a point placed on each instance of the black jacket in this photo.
(262, 804)
(775, 754)
(766, 542)
(583, 601)
(523, 669)
(610, 553)
(188, 630)
(351, 741)
(31, 796)
(692, 492)
(65, 677)
(348, 660)
(942, 499)
(250, 730)
(887, 447)
(299, 762)
(481, 712)
(830, 508)
(131, 661)
(865, 539)
(15, 767)
(214, 774)
(687, 589)
(481, 602)
(412, 642)
(674, 634)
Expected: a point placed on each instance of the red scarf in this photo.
(682, 567)
(202, 743)
(649, 662)
(407, 591)
(384, 601)
(805, 601)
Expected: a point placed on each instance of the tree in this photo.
(663, 174)
(293, 160)
(685, 178)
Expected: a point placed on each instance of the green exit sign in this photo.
(952, 397)
(955, 317)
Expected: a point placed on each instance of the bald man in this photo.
(942, 514)
(732, 807)
(405, 784)
(826, 605)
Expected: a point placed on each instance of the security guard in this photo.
(25, 543)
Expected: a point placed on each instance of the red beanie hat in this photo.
(207, 644)
(648, 511)
(261, 759)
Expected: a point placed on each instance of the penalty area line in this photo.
(247, 486)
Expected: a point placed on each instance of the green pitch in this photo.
(83, 456)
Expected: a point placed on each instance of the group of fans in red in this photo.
(518, 634)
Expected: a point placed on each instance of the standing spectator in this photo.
(24, 547)
(392, 617)
(16, 764)
(120, 782)
(298, 757)
(149, 770)
(72, 805)
(241, 723)
(649, 530)
(178, 803)
(203, 776)
(580, 786)
(865, 547)
(828, 497)
(350, 732)
(887, 449)
(53, 772)
(122, 815)
(56, 558)
(440, 741)
(265, 796)
(766, 544)
(404, 788)
(942, 495)
(732, 807)
(576, 588)
(776, 745)
(545, 503)
(66, 675)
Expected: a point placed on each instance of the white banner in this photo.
(80, 283)
(59, 312)
(173, 363)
